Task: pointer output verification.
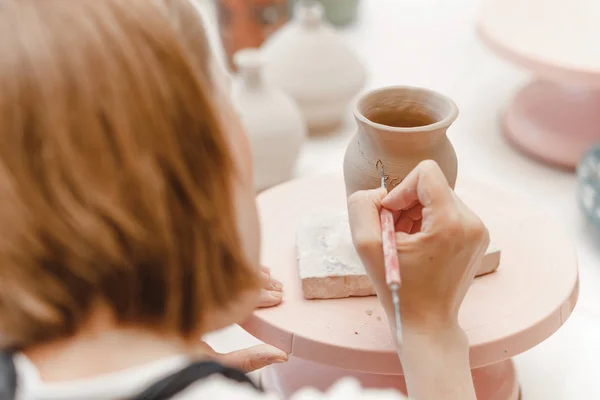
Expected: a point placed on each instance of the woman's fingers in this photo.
(270, 298)
(264, 278)
(276, 285)
(253, 358)
(265, 270)
(406, 219)
(267, 281)
(416, 227)
(271, 292)
(415, 212)
(426, 184)
(404, 224)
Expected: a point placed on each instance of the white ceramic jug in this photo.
(309, 61)
(272, 120)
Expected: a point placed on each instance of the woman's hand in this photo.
(246, 360)
(271, 292)
(440, 243)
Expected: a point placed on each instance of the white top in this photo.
(130, 382)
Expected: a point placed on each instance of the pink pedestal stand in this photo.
(505, 313)
(495, 382)
(557, 119)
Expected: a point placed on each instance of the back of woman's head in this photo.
(115, 177)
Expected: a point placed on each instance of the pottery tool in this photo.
(390, 257)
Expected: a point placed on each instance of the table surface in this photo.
(448, 56)
(554, 38)
(505, 313)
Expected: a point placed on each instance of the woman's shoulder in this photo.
(218, 387)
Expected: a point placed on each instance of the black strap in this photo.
(178, 382)
(161, 390)
(8, 377)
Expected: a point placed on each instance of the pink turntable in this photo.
(505, 313)
(556, 118)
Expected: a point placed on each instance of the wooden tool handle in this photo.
(390, 252)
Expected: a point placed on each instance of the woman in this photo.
(129, 227)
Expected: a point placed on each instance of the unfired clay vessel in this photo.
(272, 120)
(399, 126)
(308, 60)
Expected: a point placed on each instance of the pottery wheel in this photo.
(504, 313)
(555, 120)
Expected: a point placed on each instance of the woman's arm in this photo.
(434, 357)
(436, 365)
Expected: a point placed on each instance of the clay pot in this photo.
(309, 61)
(272, 120)
(399, 126)
(248, 23)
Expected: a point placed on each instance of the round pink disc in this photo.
(504, 313)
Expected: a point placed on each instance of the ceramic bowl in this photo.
(588, 176)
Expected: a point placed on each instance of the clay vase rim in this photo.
(444, 123)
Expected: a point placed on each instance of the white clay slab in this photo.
(329, 266)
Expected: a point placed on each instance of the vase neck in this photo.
(309, 13)
(250, 64)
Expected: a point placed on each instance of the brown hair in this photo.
(115, 176)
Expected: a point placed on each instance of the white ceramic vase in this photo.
(308, 60)
(272, 120)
